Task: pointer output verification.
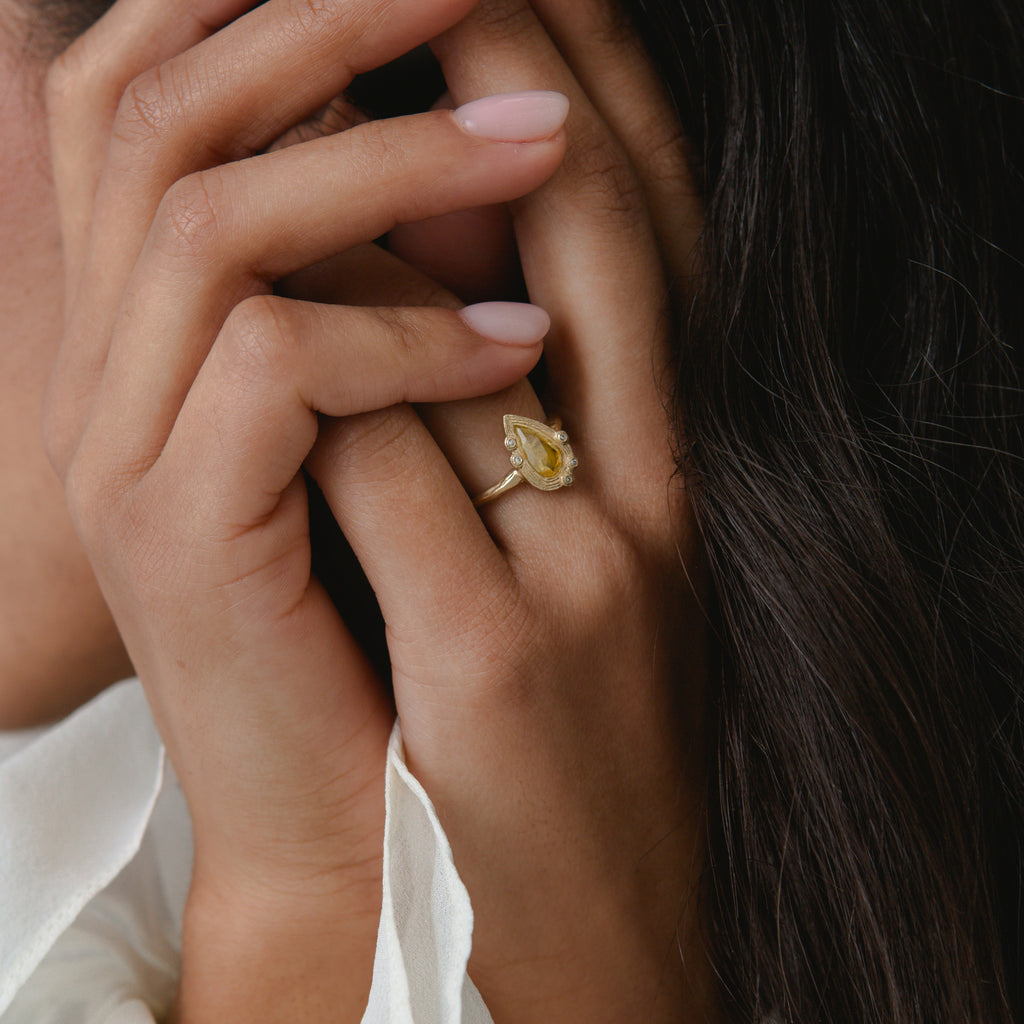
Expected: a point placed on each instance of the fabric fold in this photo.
(426, 926)
(74, 806)
(95, 860)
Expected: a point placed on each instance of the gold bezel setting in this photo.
(535, 447)
(540, 454)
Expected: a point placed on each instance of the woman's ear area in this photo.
(471, 252)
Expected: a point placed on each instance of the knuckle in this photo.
(609, 571)
(402, 328)
(150, 107)
(379, 155)
(125, 531)
(504, 20)
(308, 19)
(259, 341)
(192, 219)
(611, 27)
(602, 174)
(377, 441)
(613, 577)
(666, 157)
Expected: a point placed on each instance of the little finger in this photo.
(600, 43)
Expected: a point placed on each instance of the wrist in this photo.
(276, 955)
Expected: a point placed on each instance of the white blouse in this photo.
(95, 861)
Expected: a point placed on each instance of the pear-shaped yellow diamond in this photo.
(544, 458)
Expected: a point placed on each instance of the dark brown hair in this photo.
(851, 388)
(53, 24)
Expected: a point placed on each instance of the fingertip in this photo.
(520, 324)
(515, 117)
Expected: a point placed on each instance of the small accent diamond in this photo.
(516, 460)
(510, 443)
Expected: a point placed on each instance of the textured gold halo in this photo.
(540, 454)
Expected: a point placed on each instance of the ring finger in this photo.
(588, 249)
(591, 258)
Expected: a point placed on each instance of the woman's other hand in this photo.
(547, 653)
(187, 398)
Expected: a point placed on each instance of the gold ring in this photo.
(540, 454)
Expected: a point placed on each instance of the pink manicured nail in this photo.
(511, 323)
(514, 116)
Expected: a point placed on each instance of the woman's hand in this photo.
(188, 397)
(548, 653)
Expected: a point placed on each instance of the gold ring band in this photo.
(540, 454)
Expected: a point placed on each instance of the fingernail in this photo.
(514, 116)
(511, 323)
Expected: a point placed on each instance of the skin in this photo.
(58, 643)
(535, 637)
